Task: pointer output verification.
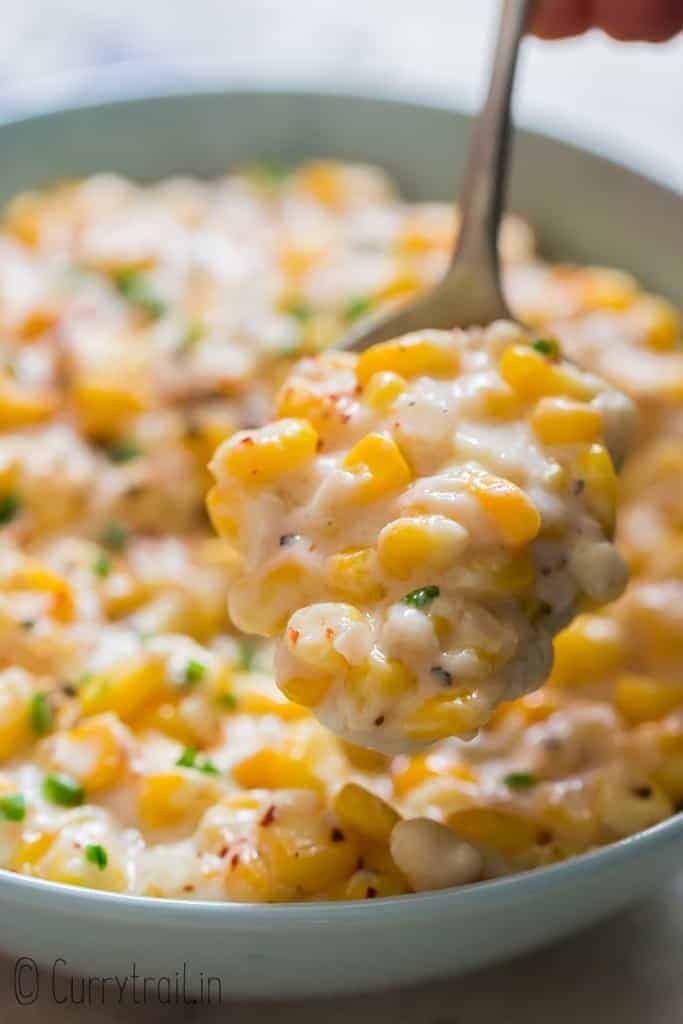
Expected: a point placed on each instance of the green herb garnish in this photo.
(135, 287)
(63, 790)
(194, 671)
(41, 716)
(102, 565)
(123, 451)
(357, 308)
(13, 807)
(519, 780)
(194, 332)
(268, 172)
(114, 537)
(421, 598)
(301, 311)
(96, 854)
(247, 654)
(10, 505)
(547, 347)
(188, 759)
(228, 701)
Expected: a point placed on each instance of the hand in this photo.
(649, 20)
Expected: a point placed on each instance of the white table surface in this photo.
(628, 101)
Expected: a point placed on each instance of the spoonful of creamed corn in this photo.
(427, 511)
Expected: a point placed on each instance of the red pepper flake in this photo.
(269, 817)
(188, 888)
(345, 417)
(371, 892)
(320, 444)
(293, 635)
(337, 836)
(329, 633)
(379, 720)
(360, 864)
(247, 441)
(234, 861)
(223, 852)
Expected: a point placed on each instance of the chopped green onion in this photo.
(114, 537)
(13, 807)
(194, 671)
(519, 780)
(63, 790)
(194, 332)
(41, 716)
(547, 347)
(228, 701)
(247, 654)
(135, 287)
(301, 311)
(188, 759)
(357, 308)
(123, 451)
(102, 565)
(268, 172)
(421, 598)
(96, 854)
(10, 506)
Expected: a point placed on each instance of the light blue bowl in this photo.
(585, 208)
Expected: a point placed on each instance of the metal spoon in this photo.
(470, 292)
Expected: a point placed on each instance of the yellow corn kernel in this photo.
(411, 772)
(512, 511)
(324, 180)
(426, 543)
(382, 389)
(22, 217)
(104, 405)
(34, 576)
(442, 716)
(608, 289)
(223, 508)
(168, 718)
(403, 283)
(503, 831)
(379, 465)
(93, 752)
(367, 884)
(363, 759)
(16, 691)
(263, 605)
(414, 355)
(642, 699)
(501, 402)
(175, 798)
(378, 675)
(669, 776)
(364, 812)
(38, 320)
(532, 375)
(596, 469)
(258, 457)
(563, 421)
(126, 688)
(660, 322)
(308, 691)
(273, 769)
(295, 260)
(33, 847)
(301, 403)
(353, 574)
(589, 649)
(253, 702)
(20, 408)
(305, 860)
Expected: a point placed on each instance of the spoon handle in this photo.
(483, 188)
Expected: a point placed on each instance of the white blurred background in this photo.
(626, 100)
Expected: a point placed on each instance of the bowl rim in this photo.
(539, 879)
(497, 890)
